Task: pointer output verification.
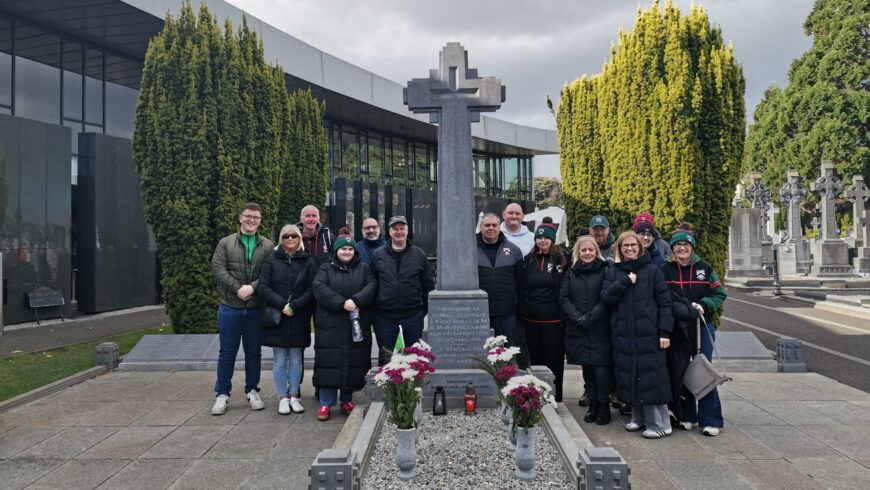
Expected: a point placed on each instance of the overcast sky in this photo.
(533, 46)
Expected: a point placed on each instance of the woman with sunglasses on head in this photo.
(285, 284)
(641, 322)
(345, 290)
(697, 293)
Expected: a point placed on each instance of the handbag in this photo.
(701, 377)
(271, 316)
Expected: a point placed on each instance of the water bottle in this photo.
(355, 327)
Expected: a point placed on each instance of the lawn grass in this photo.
(21, 373)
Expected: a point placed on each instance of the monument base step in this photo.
(742, 352)
(857, 299)
(747, 273)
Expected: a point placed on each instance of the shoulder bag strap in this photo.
(713, 342)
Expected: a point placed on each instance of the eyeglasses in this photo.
(251, 217)
(375, 227)
(629, 245)
(646, 235)
(682, 245)
(287, 236)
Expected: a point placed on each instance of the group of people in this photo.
(627, 309)
(312, 273)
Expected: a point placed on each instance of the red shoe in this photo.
(347, 407)
(323, 413)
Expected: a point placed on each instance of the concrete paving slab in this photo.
(248, 441)
(223, 473)
(776, 473)
(196, 391)
(841, 392)
(18, 473)
(796, 413)
(67, 444)
(835, 472)
(187, 442)
(853, 442)
(844, 412)
(236, 410)
(726, 394)
(752, 391)
(790, 442)
(147, 473)
(171, 412)
(304, 441)
(279, 473)
(270, 415)
(746, 413)
(18, 439)
(79, 474)
(706, 474)
(47, 412)
(611, 435)
(733, 443)
(117, 414)
(648, 475)
(127, 443)
(679, 446)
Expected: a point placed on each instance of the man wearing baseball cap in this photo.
(404, 282)
(599, 229)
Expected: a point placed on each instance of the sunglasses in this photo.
(285, 236)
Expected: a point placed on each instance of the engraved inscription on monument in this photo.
(459, 334)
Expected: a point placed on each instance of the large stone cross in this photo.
(759, 198)
(858, 194)
(828, 186)
(454, 96)
(792, 194)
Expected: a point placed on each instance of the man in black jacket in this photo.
(404, 281)
(499, 268)
(317, 238)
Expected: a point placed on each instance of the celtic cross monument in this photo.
(794, 255)
(858, 194)
(831, 255)
(454, 96)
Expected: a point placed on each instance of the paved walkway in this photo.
(155, 430)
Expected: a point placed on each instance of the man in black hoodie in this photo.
(404, 281)
(316, 237)
(499, 269)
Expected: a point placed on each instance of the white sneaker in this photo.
(254, 400)
(652, 434)
(296, 405)
(711, 431)
(284, 406)
(686, 425)
(633, 427)
(220, 405)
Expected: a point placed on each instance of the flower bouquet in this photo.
(500, 362)
(526, 396)
(401, 379)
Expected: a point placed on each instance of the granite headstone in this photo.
(831, 254)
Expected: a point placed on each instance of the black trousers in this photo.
(599, 381)
(546, 345)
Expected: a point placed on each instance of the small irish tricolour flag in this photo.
(400, 342)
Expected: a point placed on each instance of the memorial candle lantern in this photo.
(439, 402)
(470, 400)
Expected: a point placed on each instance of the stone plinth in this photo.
(832, 259)
(744, 243)
(794, 257)
(862, 261)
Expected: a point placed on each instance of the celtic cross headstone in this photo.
(831, 253)
(794, 255)
(859, 195)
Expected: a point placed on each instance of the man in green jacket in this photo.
(236, 267)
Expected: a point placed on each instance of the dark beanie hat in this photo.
(547, 229)
(644, 227)
(343, 239)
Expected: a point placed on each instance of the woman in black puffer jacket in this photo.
(641, 319)
(341, 287)
(587, 335)
(288, 273)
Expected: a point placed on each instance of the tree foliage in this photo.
(211, 133)
(548, 192)
(824, 112)
(660, 129)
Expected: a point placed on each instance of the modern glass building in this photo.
(70, 213)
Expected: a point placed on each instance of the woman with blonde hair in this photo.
(587, 333)
(285, 283)
(641, 320)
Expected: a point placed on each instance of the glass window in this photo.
(349, 153)
(72, 81)
(399, 162)
(376, 157)
(5, 62)
(120, 109)
(37, 91)
(433, 168)
(335, 142)
(421, 162)
(495, 177)
(94, 86)
(76, 129)
(511, 178)
(480, 175)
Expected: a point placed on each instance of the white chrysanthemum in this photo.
(421, 344)
(409, 374)
(381, 379)
(404, 359)
(493, 342)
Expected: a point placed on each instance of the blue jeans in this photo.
(287, 370)
(507, 326)
(328, 396)
(387, 329)
(654, 417)
(235, 326)
(709, 409)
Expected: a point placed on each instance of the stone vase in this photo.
(524, 454)
(506, 414)
(418, 419)
(406, 453)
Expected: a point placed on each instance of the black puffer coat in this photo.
(586, 341)
(278, 276)
(641, 314)
(339, 362)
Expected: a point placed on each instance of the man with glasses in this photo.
(372, 240)
(404, 282)
(236, 267)
(316, 237)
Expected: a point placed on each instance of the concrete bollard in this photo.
(789, 358)
(107, 355)
(334, 469)
(603, 468)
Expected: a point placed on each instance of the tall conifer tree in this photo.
(660, 129)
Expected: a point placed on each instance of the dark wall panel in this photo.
(116, 254)
(35, 222)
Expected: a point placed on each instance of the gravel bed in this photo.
(463, 451)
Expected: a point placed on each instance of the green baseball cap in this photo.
(599, 220)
